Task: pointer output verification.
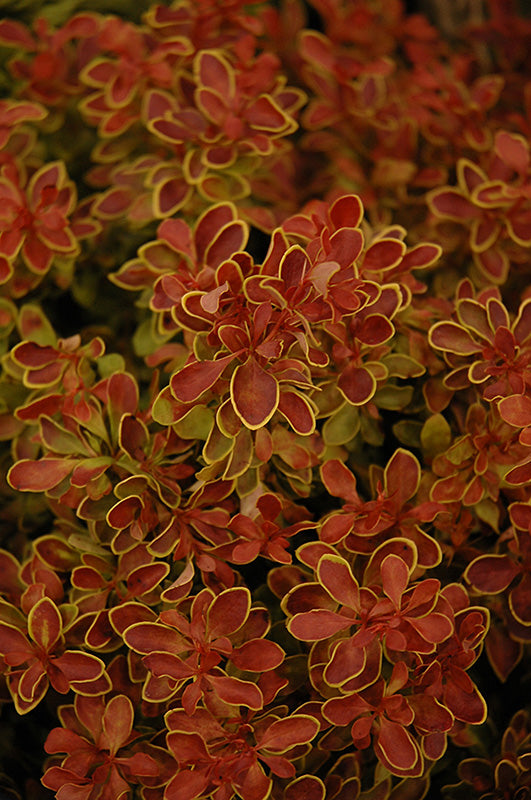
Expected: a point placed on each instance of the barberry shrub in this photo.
(265, 402)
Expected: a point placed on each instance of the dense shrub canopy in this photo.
(265, 401)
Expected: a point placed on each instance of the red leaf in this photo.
(188, 784)
(513, 150)
(169, 196)
(357, 384)
(346, 211)
(520, 600)
(339, 481)
(452, 337)
(402, 477)
(384, 254)
(39, 476)
(117, 723)
(467, 706)
(397, 749)
(169, 666)
(264, 114)
(317, 624)
(491, 574)
(348, 661)
(228, 611)
(125, 511)
(450, 204)
(293, 266)
(395, 578)
(345, 246)
(14, 646)
(430, 715)
(14, 34)
(375, 329)
(144, 579)
(215, 72)
(32, 356)
(298, 412)
(306, 787)
(79, 667)
(518, 476)
(336, 577)
(283, 734)
(257, 655)
(45, 624)
(192, 380)
(254, 394)
(148, 637)
(434, 628)
(255, 784)
(236, 692)
(187, 747)
(516, 410)
(230, 240)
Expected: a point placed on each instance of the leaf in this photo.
(298, 412)
(434, 628)
(257, 655)
(402, 477)
(39, 476)
(305, 787)
(516, 410)
(228, 611)
(345, 247)
(491, 574)
(520, 600)
(430, 714)
(187, 747)
(375, 330)
(357, 384)
(14, 646)
(283, 734)
(14, 34)
(192, 380)
(383, 254)
(466, 706)
(397, 749)
(339, 481)
(254, 394)
(148, 637)
(45, 624)
(346, 211)
(256, 785)
(264, 114)
(215, 72)
(450, 336)
(117, 723)
(236, 692)
(513, 150)
(32, 356)
(518, 476)
(145, 578)
(347, 662)
(188, 784)
(335, 575)
(451, 204)
(79, 667)
(59, 440)
(293, 266)
(395, 578)
(317, 624)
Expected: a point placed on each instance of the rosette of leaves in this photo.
(358, 628)
(507, 774)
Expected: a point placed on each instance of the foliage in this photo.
(265, 402)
